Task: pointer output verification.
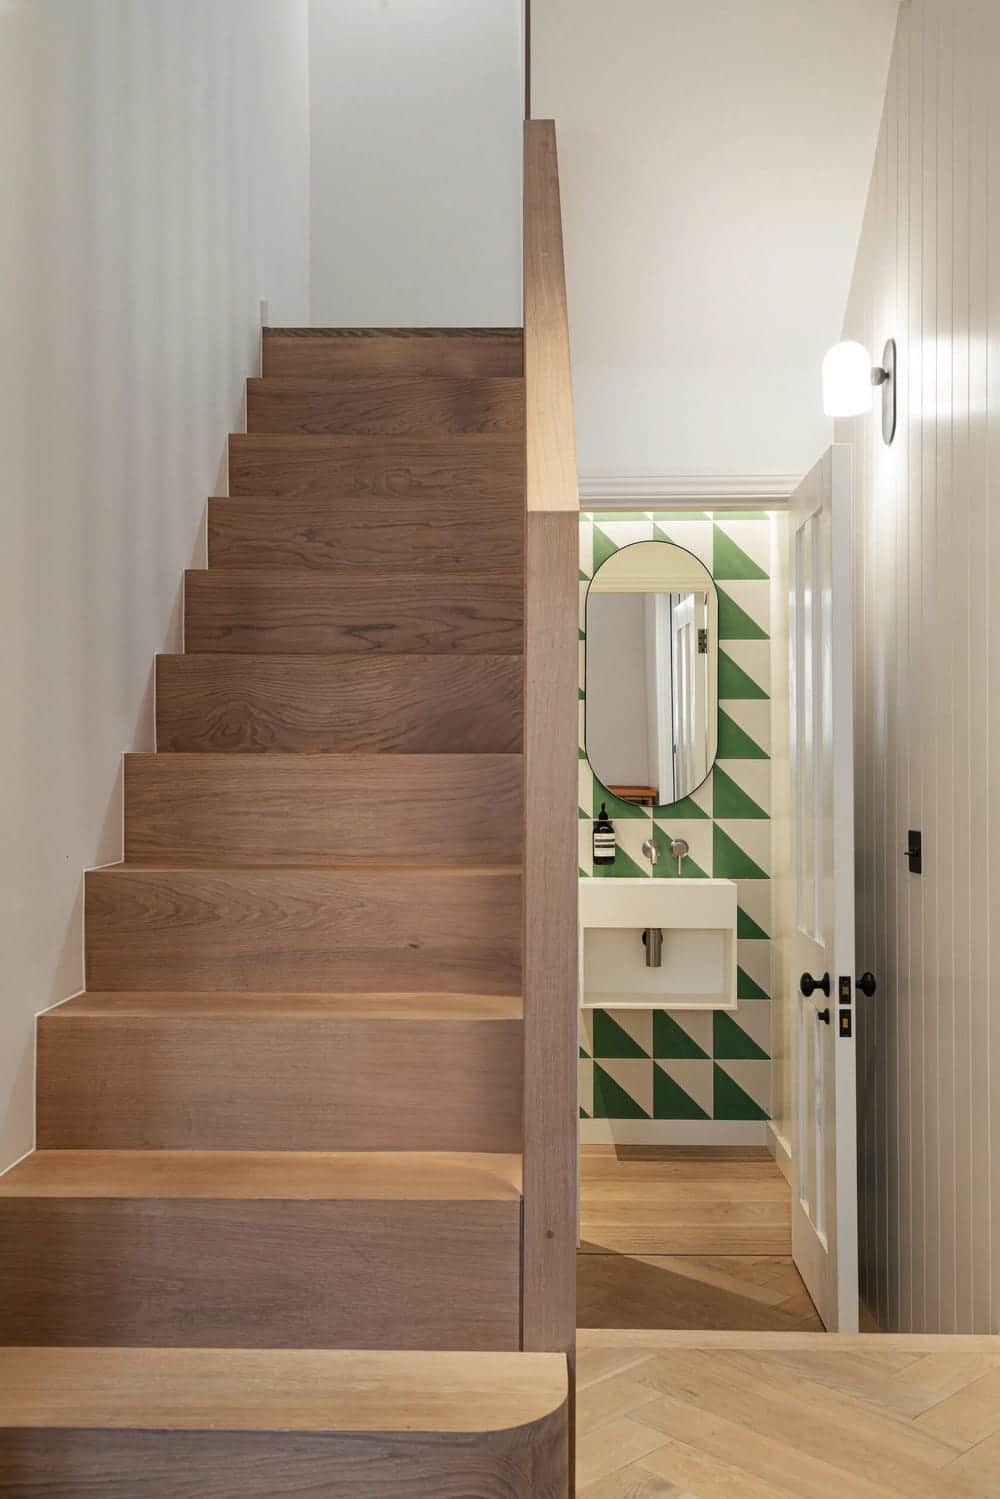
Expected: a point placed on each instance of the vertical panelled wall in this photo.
(680, 1076)
(928, 683)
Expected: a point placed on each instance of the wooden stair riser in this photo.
(232, 1273)
(342, 536)
(116, 1464)
(302, 612)
(277, 465)
(324, 353)
(243, 1082)
(204, 810)
(388, 406)
(313, 930)
(403, 704)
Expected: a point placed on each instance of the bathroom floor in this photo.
(687, 1238)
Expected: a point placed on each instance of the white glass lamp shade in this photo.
(847, 380)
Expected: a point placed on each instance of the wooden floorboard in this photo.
(432, 406)
(778, 1416)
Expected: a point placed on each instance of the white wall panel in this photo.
(928, 654)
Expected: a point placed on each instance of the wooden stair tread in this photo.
(401, 866)
(348, 1176)
(249, 1006)
(318, 1390)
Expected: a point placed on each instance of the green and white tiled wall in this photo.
(682, 1065)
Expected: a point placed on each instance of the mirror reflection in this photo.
(651, 673)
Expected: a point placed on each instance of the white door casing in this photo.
(824, 1196)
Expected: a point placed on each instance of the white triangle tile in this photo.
(587, 1031)
(585, 855)
(695, 1077)
(754, 1078)
(702, 796)
(754, 656)
(632, 833)
(754, 1017)
(753, 777)
(637, 1024)
(751, 536)
(697, 833)
(754, 717)
(694, 536)
(755, 960)
(754, 896)
(636, 1077)
(698, 1025)
(581, 675)
(753, 596)
(586, 788)
(754, 838)
(625, 532)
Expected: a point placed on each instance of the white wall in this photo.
(714, 160)
(153, 187)
(928, 684)
(417, 109)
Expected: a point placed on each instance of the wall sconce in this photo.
(849, 381)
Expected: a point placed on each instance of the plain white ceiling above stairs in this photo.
(714, 160)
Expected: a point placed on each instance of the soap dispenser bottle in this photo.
(605, 843)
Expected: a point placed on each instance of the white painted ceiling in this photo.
(715, 157)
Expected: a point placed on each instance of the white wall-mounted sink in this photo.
(698, 922)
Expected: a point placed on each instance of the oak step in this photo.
(205, 810)
(329, 352)
(428, 406)
(260, 1249)
(162, 1423)
(410, 468)
(310, 930)
(406, 704)
(232, 1071)
(347, 534)
(300, 611)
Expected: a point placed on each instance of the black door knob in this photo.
(809, 985)
(823, 1015)
(867, 984)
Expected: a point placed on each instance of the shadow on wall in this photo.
(137, 177)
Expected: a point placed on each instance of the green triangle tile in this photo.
(664, 517)
(582, 815)
(672, 1040)
(604, 547)
(730, 1101)
(747, 929)
(730, 800)
(659, 534)
(735, 743)
(584, 577)
(581, 634)
(616, 807)
(584, 1055)
(581, 754)
(581, 696)
(729, 862)
(731, 561)
(582, 873)
(686, 807)
(730, 1042)
(624, 868)
(611, 1041)
(735, 623)
(735, 682)
(610, 1099)
(584, 1114)
(747, 988)
(670, 1101)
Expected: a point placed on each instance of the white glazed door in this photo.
(824, 1198)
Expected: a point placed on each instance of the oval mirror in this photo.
(651, 711)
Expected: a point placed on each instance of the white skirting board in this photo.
(672, 1132)
(781, 1151)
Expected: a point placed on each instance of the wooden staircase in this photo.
(272, 1239)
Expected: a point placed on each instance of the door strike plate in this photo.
(845, 1024)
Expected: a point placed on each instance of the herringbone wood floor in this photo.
(676, 1415)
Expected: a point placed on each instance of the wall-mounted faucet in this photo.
(651, 851)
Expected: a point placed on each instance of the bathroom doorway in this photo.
(708, 1199)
